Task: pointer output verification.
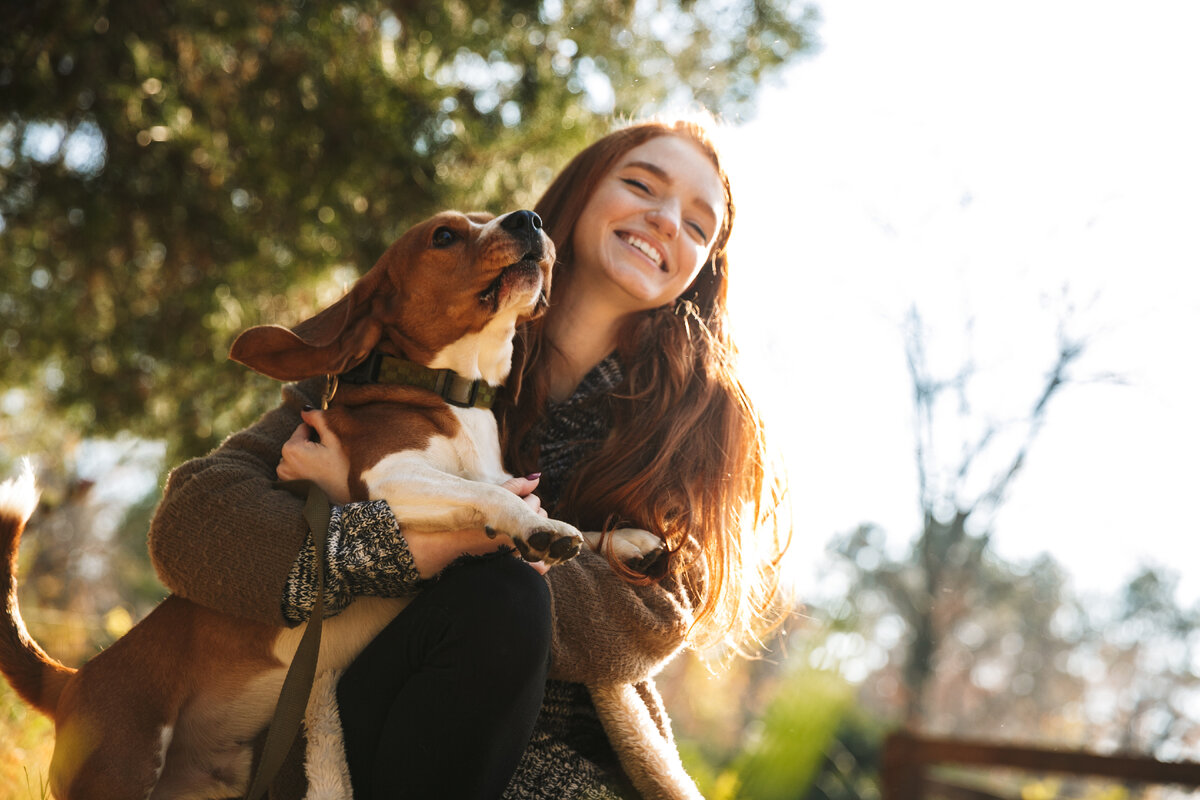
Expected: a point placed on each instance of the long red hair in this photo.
(687, 457)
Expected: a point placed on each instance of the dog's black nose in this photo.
(521, 221)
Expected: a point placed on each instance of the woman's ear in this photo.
(330, 342)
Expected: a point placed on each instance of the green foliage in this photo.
(852, 762)
(172, 173)
(760, 730)
(797, 728)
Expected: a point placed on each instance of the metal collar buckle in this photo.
(455, 389)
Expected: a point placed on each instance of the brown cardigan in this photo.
(224, 537)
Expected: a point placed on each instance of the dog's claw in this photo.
(652, 557)
(647, 561)
(490, 531)
(563, 550)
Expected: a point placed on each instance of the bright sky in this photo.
(975, 159)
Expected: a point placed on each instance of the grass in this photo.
(26, 743)
(26, 736)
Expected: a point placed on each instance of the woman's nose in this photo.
(665, 218)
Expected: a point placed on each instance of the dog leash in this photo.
(297, 685)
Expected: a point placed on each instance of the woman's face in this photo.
(649, 225)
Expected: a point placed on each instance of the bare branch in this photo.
(1069, 351)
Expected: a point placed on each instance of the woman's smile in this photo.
(644, 247)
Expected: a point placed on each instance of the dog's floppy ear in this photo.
(330, 342)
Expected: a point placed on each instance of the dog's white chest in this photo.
(477, 446)
(473, 453)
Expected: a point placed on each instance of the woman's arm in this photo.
(224, 535)
(607, 630)
(366, 553)
(227, 538)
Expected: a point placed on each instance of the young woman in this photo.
(623, 406)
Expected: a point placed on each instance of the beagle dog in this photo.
(418, 347)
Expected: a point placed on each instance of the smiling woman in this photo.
(648, 227)
(680, 416)
(630, 405)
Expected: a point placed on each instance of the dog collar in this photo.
(449, 385)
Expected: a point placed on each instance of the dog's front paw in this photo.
(549, 541)
(635, 548)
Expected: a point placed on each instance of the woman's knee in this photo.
(503, 601)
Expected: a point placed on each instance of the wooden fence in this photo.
(907, 758)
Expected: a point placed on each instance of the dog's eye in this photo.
(444, 237)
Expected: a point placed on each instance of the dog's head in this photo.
(452, 278)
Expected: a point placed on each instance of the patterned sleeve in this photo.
(366, 555)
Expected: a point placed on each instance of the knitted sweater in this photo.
(608, 636)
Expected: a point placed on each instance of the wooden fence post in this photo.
(903, 773)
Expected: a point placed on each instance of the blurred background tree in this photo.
(943, 635)
(173, 173)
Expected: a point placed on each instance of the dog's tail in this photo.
(35, 676)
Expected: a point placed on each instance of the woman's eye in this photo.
(637, 184)
(696, 229)
(444, 237)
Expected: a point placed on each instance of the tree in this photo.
(950, 638)
(1149, 650)
(172, 173)
(941, 583)
(983, 647)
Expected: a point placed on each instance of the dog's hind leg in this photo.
(91, 760)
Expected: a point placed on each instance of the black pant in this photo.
(442, 703)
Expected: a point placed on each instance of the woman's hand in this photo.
(324, 462)
(433, 551)
(523, 488)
